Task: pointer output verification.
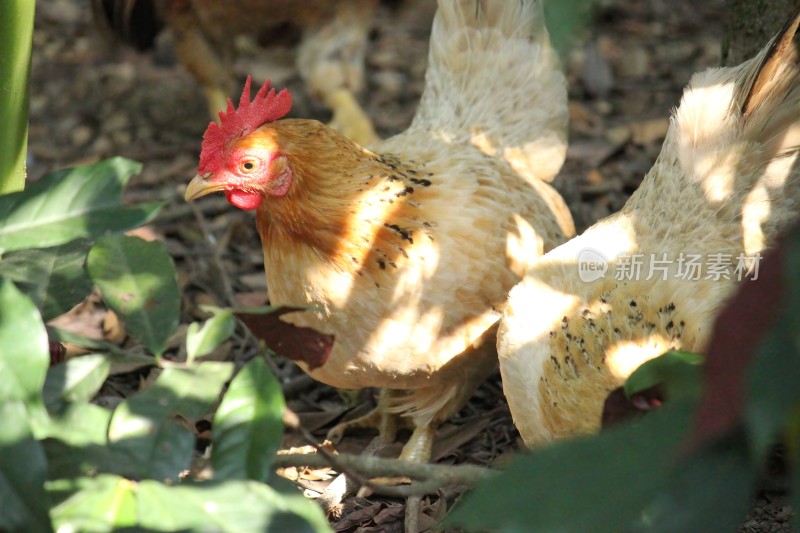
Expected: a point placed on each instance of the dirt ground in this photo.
(91, 100)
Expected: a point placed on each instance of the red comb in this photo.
(236, 123)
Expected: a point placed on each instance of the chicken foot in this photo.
(380, 418)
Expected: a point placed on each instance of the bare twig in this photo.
(430, 477)
(216, 258)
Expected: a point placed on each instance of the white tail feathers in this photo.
(494, 81)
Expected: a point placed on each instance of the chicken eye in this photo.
(248, 166)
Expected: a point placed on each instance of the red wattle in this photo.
(243, 200)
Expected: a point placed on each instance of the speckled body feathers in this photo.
(726, 182)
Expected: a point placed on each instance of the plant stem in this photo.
(16, 33)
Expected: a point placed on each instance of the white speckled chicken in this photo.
(410, 247)
(726, 182)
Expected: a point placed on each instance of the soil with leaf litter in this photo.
(90, 101)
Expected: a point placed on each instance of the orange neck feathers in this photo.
(330, 173)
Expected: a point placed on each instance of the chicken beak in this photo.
(201, 186)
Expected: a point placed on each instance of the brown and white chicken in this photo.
(408, 248)
(330, 55)
(654, 276)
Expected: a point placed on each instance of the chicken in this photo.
(330, 57)
(726, 182)
(409, 248)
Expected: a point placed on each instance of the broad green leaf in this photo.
(82, 202)
(248, 424)
(90, 505)
(23, 471)
(75, 380)
(203, 340)
(54, 278)
(142, 427)
(138, 281)
(675, 369)
(70, 461)
(80, 424)
(599, 484)
(712, 491)
(106, 502)
(227, 507)
(24, 355)
(567, 21)
(772, 392)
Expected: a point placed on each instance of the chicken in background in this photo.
(654, 276)
(330, 57)
(409, 248)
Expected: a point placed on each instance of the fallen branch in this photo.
(430, 477)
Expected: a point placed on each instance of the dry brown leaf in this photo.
(358, 517)
(452, 438)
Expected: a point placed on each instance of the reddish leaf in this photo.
(295, 342)
(738, 329)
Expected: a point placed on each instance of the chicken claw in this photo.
(379, 418)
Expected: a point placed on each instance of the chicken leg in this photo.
(378, 418)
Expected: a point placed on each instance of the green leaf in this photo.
(107, 502)
(142, 428)
(567, 21)
(69, 461)
(772, 392)
(138, 281)
(82, 202)
(54, 278)
(598, 484)
(203, 340)
(712, 491)
(76, 380)
(248, 425)
(80, 424)
(24, 355)
(22, 473)
(98, 504)
(675, 369)
(231, 506)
